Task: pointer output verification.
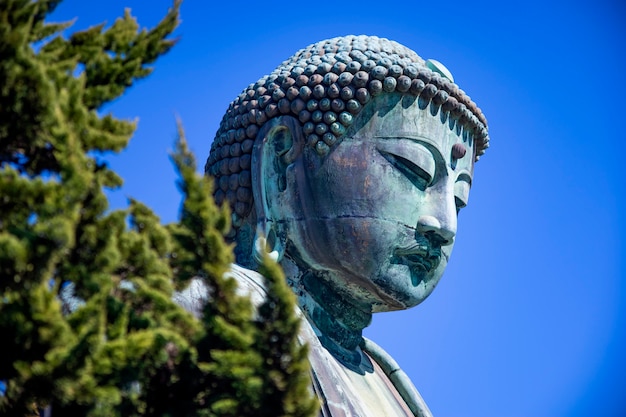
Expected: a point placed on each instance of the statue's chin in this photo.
(403, 287)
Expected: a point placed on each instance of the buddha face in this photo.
(379, 216)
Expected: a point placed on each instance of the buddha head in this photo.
(351, 161)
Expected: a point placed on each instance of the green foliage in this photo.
(285, 390)
(118, 344)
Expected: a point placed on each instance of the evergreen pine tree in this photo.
(118, 345)
(285, 360)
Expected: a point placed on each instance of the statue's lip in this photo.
(420, 256)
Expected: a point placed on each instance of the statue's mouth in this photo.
(419, 257)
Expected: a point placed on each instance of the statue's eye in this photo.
(461, 190)
(419, 176)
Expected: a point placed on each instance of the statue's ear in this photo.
(278, 144)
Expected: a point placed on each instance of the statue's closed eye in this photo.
(461, 190)
(413, 172)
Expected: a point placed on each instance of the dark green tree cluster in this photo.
(87, 322)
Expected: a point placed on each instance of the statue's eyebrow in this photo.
(433, 147)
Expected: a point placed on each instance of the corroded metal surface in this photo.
(373, 391)
(349, 164)
(325, 86)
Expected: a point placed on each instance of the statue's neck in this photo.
(339, 322)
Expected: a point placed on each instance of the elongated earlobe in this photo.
(278, 144)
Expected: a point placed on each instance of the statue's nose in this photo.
(444, 229)
(439, 215)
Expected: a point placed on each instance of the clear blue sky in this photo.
(530, 317)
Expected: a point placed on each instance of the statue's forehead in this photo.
(403, 117)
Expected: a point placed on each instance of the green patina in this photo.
(349, 164)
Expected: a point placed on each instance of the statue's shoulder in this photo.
(249, 283)
(397, 377)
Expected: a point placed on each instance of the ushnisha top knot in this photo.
(325, 86)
